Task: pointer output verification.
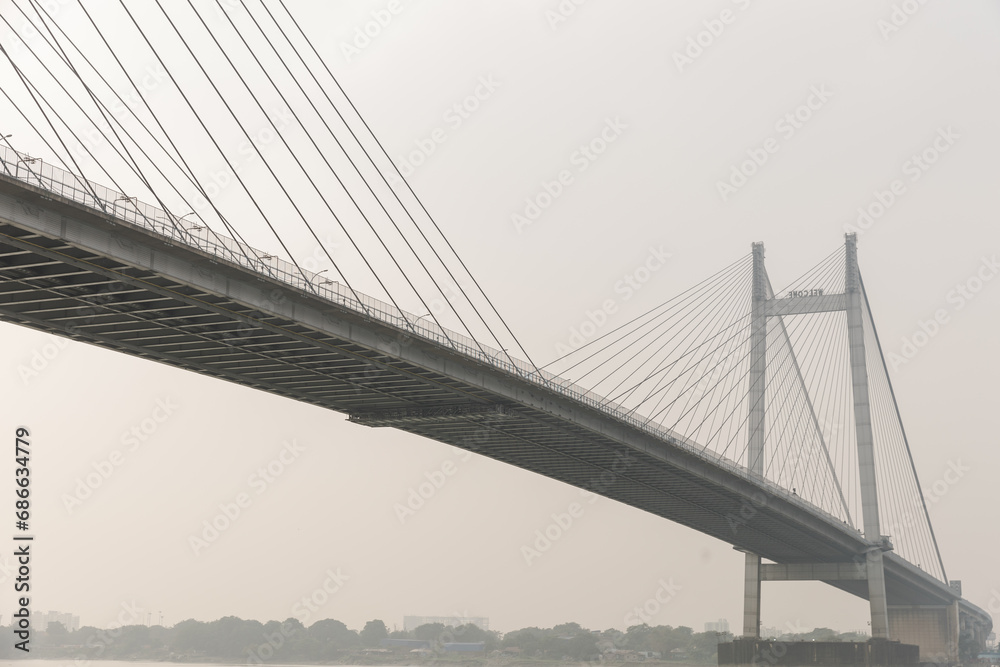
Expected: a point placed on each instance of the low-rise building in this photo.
(722, 625)
(41, 620)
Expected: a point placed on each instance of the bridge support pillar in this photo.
(934, 628)
(876, 594)
(751, 597)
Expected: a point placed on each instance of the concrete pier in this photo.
(752, 652)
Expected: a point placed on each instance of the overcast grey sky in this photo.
(879, 86)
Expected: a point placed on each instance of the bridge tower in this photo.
(764, 306)
(756, 426)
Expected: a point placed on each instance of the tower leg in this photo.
(756, 425)
(751, 597)
(865, 440)
(758, 365)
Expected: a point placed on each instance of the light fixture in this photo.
(193, 228)
(317, 274)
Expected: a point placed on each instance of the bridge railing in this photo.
(122, 208)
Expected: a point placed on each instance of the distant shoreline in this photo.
(434, 662)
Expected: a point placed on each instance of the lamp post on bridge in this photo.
(193, 228)
(316, 285)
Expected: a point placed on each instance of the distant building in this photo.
(40, 620)
(411, 623)
(722, 625)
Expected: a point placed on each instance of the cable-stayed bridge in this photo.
(765, 419)
(130, 283)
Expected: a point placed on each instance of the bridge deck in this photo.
(74, 271)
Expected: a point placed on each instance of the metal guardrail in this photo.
(122, 208)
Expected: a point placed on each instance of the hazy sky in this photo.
(876, 95)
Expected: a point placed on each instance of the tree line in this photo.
(252, 642)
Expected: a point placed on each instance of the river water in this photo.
(127, 663)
